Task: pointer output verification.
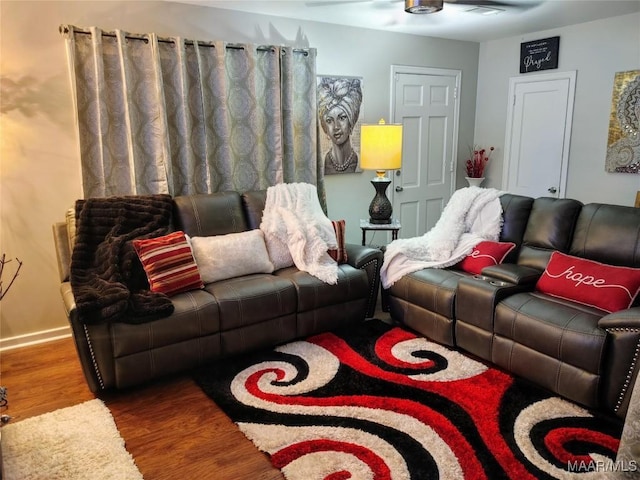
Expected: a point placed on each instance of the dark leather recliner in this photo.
(580, 352)
(425, 300)
(583, 353)
(549, 227)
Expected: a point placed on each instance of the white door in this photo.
(538, 134)
(425, 102)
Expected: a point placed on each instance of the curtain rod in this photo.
(65, 30)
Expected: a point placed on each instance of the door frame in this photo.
(511, 100)
(431, 71)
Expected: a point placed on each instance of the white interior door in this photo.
(425, 102)
(538, 134)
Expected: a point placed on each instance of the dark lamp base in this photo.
(380, 209)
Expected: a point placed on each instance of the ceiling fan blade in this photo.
(324, 3)
(375, 3)
(523, 5)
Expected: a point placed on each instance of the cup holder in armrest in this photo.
(482, 277)
(492, 281)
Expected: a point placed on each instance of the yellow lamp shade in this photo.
(381, 146)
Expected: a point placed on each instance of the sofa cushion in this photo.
(484, 255)
(196, 315)
(432, 289)
(168, 263)
(592, 283)
(314, 294)
(252, 299)
(220, 257)
(560, 338)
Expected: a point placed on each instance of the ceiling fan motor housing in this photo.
(423, 6)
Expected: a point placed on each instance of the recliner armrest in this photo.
(63, 252)
(513, 273)
(68, 300)
(621, 366)
(358, 255)
(83, 341)
(370, 260)
(627, 319)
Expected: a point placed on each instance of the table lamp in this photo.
(380, 150)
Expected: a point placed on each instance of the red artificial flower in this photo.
(478, 161)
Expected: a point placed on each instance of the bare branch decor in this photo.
(3, 262)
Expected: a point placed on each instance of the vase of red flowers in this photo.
(474, 181)
(476, 165)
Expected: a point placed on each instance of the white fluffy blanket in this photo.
(298, 232)
(473, 214)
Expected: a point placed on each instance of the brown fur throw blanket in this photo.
(107, 278)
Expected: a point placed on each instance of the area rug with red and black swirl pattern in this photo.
(379, 402)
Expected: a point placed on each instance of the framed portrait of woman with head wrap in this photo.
(339, 106)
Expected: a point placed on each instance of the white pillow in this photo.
(279, 252)
(226, 256)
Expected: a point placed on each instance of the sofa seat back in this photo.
(209, 214)
(608, 234)
(549, 227)
(253, 204)
(515, 215)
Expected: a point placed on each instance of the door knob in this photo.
(399, 189)
(552, 190)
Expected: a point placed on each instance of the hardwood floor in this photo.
(172, 429)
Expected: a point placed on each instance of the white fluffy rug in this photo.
(74, 443)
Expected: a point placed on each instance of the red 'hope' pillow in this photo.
(485, 254)
(591, 283)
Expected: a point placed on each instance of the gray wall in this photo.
(596, 51)
(39, 163)
(40, 169)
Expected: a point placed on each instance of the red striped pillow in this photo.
(169, 263)
(339, 254)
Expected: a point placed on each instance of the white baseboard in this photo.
(43, 336)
